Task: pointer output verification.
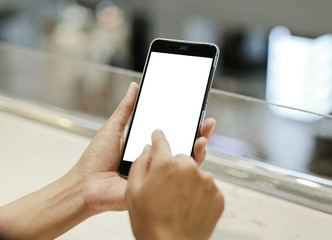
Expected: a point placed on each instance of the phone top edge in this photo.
(204, 49)
(185, 41)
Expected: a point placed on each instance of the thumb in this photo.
(120, 116)
(140, 168)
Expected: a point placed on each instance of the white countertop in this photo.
(33, 154)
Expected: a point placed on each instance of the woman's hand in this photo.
(169, 197)
(101, 187)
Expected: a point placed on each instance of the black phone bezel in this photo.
(173, 47)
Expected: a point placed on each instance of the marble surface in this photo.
(33, 154)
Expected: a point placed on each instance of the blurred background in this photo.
(278, 51)
(255, 49)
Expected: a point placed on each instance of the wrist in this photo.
(102, 191)
(62, 197)
(82, 184)
(46, 213)
(162, 233)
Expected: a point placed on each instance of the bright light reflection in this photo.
(65, 122)
(308, 183)
(277, 171)
(299, 74)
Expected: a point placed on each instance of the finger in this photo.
(122, 113)
(160, 146)
(113, 129)
(140, 168)
(207, 127)
(200, 150)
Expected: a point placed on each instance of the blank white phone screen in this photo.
(171, 99)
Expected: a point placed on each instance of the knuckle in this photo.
(188, 173)
(191, 168)
(209, 183)
(180, 155)
(208, 178)
(166, 163)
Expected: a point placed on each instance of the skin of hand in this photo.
(92, 186)
(102, 188)
(170, 197)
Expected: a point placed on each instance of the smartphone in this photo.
(172, 97)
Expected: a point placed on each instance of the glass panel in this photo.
(62, 82)
(254, 129)
(255, 143)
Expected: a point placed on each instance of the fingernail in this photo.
(147, 147)
(158, 131)
(133, 83)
